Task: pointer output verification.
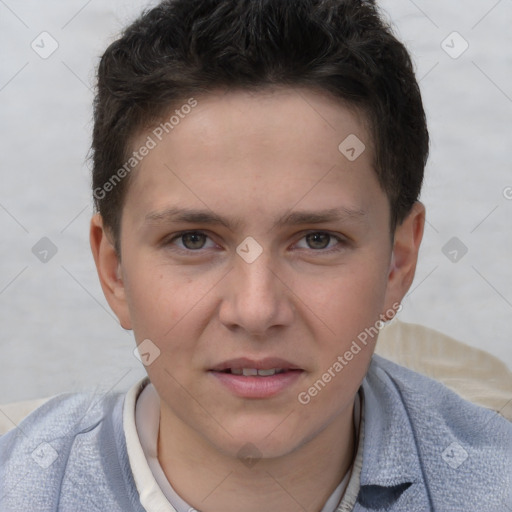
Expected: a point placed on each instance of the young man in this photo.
(257, 168)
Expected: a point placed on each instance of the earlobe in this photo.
(109, 270)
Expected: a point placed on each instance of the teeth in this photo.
(252, 372)
(265, 373)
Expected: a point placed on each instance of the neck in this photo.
(302, 480)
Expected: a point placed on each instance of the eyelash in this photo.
(341, 242)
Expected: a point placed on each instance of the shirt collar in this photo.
(150, 494)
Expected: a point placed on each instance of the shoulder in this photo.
(428, 403)
(425, 396)
(462, 451)
(59, 418)
(62, 437)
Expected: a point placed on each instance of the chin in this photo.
(268, 441)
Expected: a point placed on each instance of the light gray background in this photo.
(57, 332)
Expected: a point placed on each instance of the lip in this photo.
(257, 387)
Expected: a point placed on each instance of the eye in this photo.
(320, 240)
(190, 241)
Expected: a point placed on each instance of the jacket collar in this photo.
(391, 463)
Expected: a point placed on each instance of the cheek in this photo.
(348, 298)
(349, 307)
(160, 296)
(149, 306)
(172, 309)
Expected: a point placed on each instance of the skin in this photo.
(253, 158)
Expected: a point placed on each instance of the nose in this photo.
(256, 297)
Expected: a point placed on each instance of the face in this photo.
(250, 241)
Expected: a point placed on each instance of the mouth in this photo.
(248, 378)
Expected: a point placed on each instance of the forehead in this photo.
(256, 151)
(238, 122)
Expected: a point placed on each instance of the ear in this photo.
(406, 245)
(108, 266)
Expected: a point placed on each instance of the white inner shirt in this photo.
(141, 421)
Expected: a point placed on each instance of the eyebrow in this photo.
(195, 216)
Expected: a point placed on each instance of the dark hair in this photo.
(182, 48)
